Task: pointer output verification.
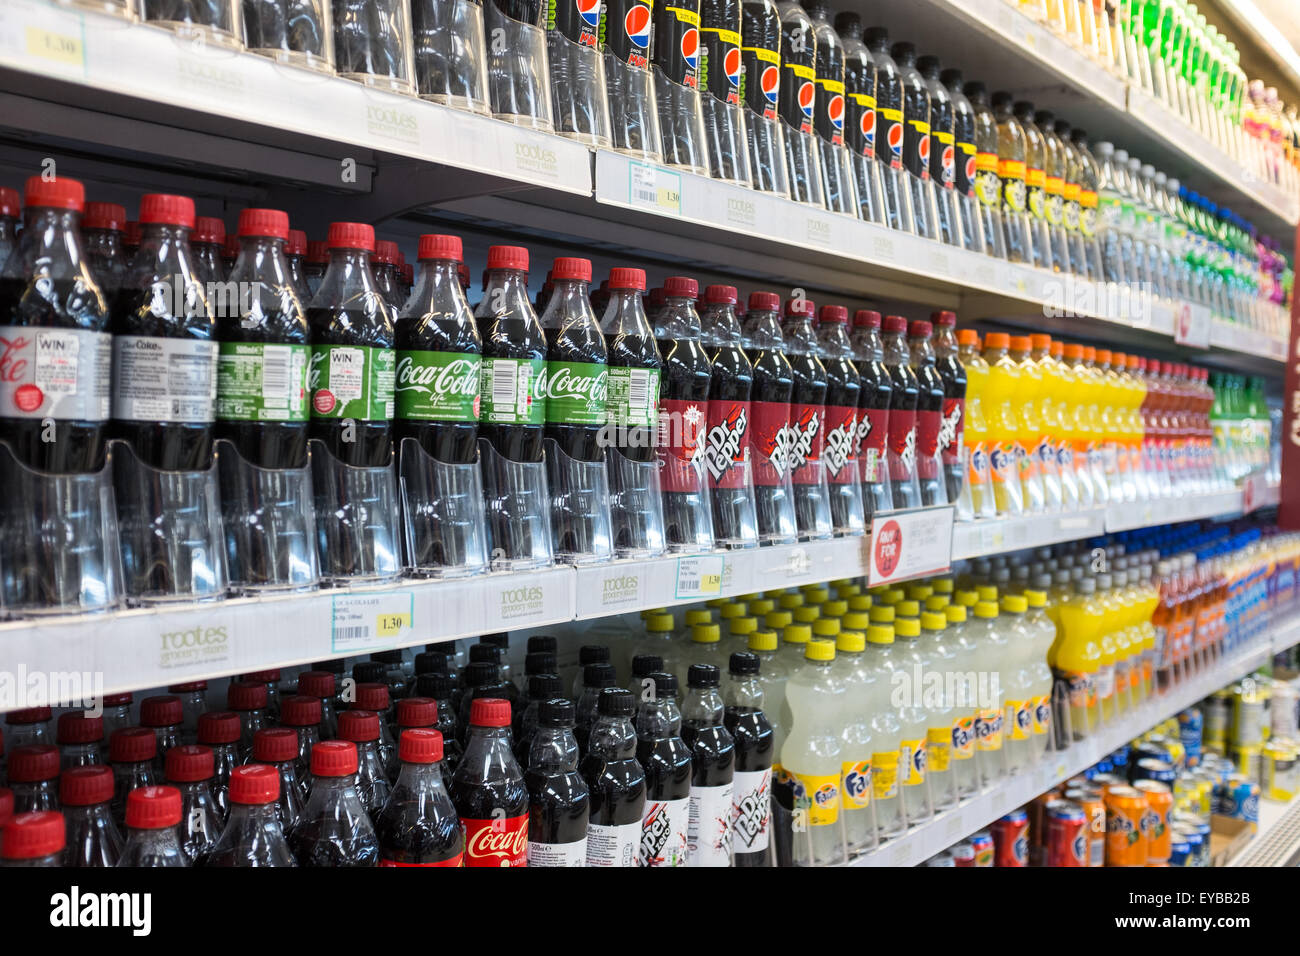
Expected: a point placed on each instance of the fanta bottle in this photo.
(1137, 455)
(990, 729)
(1033, 435)
(1051, 400)
(1077, 656)
(940, 658)
(965, 770)
(811, 755)
(856, 739)
(1092, 431)
(979, 482)
(914, 716)
(1108, 393)
(1043, 633)
(1003, 425)
(1018, 708)
(1066, 389)
(886, 733)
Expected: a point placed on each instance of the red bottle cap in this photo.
(296, 244)
(334, 758)
(218, 727)
(944, 318)
(318, 251)
(386, 251)
(350, 235)
(420, 746)
(132, 745)
(833, 314)
(255, 784)
(300, 710)
(490, 712)
(164, 208)
(85, 786)
(371, 697)
(118, 700)
(29, 715)
(866, 318)
(30, 836)
(273, 223)
(997, 340)
(508, 257)
(209, 229)
(568, 267)
(717, 294)
(153, 808)
(55, 193)
(78, 728)
(275, 745)
(190, 763)
(1137, 362)
(163, 711)
(316, 683)
(188, 687)
(269, 676)
(623, 278)
(103, 215)
(441, 247)
(764, 302)
(11, 203)
(894, 323)
(800, 307)
(417, 712)
(246, 695)
(921, 329)
(34, 763)
(681, 287)
(358, 726)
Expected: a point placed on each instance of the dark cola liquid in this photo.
(686, 379)
(332, 840)
(575, 342)
(617, 785)
(635, 351)
(510, 336)
(667, 765)
(370, 444)
(77, 446)
(916, 110)
(558, 806)
(451, 442)
(414, 830)
(754, 743)
(843, 390)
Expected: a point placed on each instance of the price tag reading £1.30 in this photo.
(362, 621)
(699, 576)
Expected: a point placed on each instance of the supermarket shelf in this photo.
(1277, 841)
(1139, 514)
(974, 539)
(924, 841)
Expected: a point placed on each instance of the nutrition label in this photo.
(164, 380)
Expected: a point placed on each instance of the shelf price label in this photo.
(658, 190)
(379, 619)
(700, 576)
(909, 544)
(1192, 326)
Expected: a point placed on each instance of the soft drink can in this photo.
(1011, 839)
(1149, 768)
(1238, 797)
(1160, 804)
(1190, 728)
(1284, 714)
(1278, 771)
(1217, 719)
(1178, 848)
(963, 854)
(1247, 716)
(1191, 837)
(1090, 802)
(942, 858)
(1067, 834)
(982, 843)
(1126, 840)
(1104, 781)
(1247, 760)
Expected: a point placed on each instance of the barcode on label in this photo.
(351, 633)
(275, 372)
(503, 383)
(643, 185)
(638, 388)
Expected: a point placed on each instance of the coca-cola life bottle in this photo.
(417, 825)
(334, 829)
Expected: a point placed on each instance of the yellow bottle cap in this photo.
(850, 642)
(907, 627)
(717, 602)
(705, 633)
(760, 606)
(855, 621)
(797, 634)
(933, 621)
(815, 593)
(835, 608)
(734, 609)
(1014, 604)
(762, 641)
(987, 592)
(907, 608)
(1036, 598)
(826, 627)
(878, 590)
(893, 596)
(777, 620)
(846, 591)
(807, 614)
(659, 623)
(882, 615)
(653, 610)
(880, 634)
(698, 617)
(819, 651)
(956, 613)
(919, 592)
(860, 602)
(790, 601)
(942, 585)
(986, 609)
(967, 598)
(740, 626)
(937, 602)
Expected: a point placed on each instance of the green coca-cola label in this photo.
(257, 382)
(352, 381)
(510, 391)
(439, 386)
(575, 393)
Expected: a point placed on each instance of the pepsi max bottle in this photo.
(860, 121)
(943, 152)
(916, 139)
(676, 56)
(726, 438)
(720, 87)
(798, 102)
(889, 129)
(625, 36)
(760, 83)
(828, 122)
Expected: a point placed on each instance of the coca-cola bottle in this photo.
(163, 714)
(414, 713)
(302, 714)
(635, 367)
(807, 417)
(771, 437)
(102, 231)
(334, 829)
(353, 363)
(361, 727)
(952, 424)
(843, 394)
(558, 799)
(374, 697)
(190, 771)
(205, 242)
(441, 688)
(32, 726)
(152, 835)
(726, 436)
(33, 839)
(81, 739)
(117, 712)
(483, 680)
(666, 760)
(248, 699)
(219, 729)
(262, 401)
(230, 251)
(278, 747)
(56, 353)
(595, 679)
(929, 414)
(903, 399)
(386, 259)
(271, 678)
(295, 254)
(194, 702)
(489, 792)
(713, 766)
(85, 794)
(575, 389)
(616, 782)
(34, 777)
(439, 358)
(417, 825)
(751, 796)
(315, 263)
(322, 686)
(131, 752)
(514, 356)
(252, 835)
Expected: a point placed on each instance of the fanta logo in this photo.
(1042, 713)
(691, 47)
(1148, 823)
(731, 65)
(961, 739)
(980, 460)
(1021, 849)
(1045, 454)
(770, 83)
(826, 795)
(1001, 460)
(1118, 823)
(589, 10)
(857, 782)
(835, 111)
(806, 96)
(895, 139)
(1080, 846)
(918, 761)
(1024, 719)
(637, 25)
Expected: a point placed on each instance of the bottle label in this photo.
(1046, 455)
(259, 383)
(355, 382)
(615, 845)
(664, 832)
(771, 439)
(1012, 174)
(457, 860)
(855, 781)
(943, 159)
(681, 434)
(938, 748)
(1003, 463)
(902, 444)
(873, 433)
(988, 730)
(633, 399)
(1036, 193)
(830, 112)
(499, 842)
(927, 434)
(677, 43)
(510, 393)
(625, 31)
(916, 148)
(1019, 719)
(951, 430)
(751, 810)
(726, 445)
(818, 797)
(1080, 689)
(720, 64)
(979, 471)
(840, 445)
(799, 92)
(760, 80)
(963, 737)
(163, 380)
(575, 393)
(1054, 208)
(439, 386)
(709, 827)
(988, 187)
(911, 762)
(860, 124)
(558, 854)
(576, 22)
(55, 373)
(1105, 681)
(965, 167)
(808, 423)
(891, 136)
(884, 774)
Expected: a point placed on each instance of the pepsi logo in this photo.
(947, 157)
(731, 65)
(835, 111)
(868, 123)
(806, 95)
(770, 83)
(637, 25)
(896, 139)
(923, 149)
(589, 10)
(691, 47)
(970, 169)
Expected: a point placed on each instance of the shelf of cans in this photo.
(1196, 260)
